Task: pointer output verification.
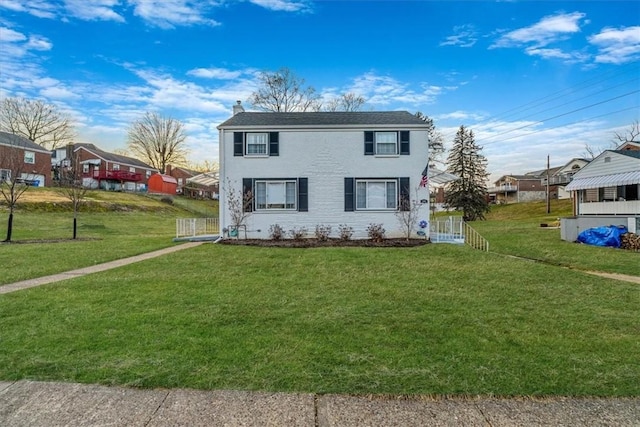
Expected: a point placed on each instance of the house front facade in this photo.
(517, 188)
(24, 160)
(606, 192)
(109, 171)
(348, 169)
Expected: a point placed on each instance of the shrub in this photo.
(375, 232)
(276, 232)
(345, 232)
(166, 199)
(298, 233)
(323, 232)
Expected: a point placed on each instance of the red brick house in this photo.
(109, 171)
(181, 175)
(24, 160)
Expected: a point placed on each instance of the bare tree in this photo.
(283, 91)
(70, 186)
(239, 204)
(436, 142)
(345, 102)
(37, 121)
(631, 135)
(158, 140)
(407, 214)
(14, 180)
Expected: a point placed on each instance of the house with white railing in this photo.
(605, 192)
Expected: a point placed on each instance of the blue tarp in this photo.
(603, 236)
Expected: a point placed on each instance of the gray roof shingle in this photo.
(323, 119)
(111, 157)
(7, 138)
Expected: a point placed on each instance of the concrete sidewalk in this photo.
(31, 403)
(25, 284)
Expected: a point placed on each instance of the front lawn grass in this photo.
(440, 319)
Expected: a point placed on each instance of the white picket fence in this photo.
(193, 227)
(455, 230)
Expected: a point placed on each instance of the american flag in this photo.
(425, 176)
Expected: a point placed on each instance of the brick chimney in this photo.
(238, 108)
(167, 170)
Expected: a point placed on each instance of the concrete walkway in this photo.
(25, 284)
(31, 403)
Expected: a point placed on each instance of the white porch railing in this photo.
(455, 230)
(628, 207)
(192, 227)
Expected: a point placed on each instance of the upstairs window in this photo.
(132, 169)
(5, 175)
(85, 168)
(386, 143)
(116, 167)
(256, 144)
(29, 157)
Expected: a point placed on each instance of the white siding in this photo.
(325, 158)
(618, 163)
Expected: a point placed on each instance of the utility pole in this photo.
(548, 195)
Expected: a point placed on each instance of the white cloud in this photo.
(168, 14)
(548, 30)
(465, 36)
(283, 5)
(617, 45)
(384, 90)
(58, 92)
(38, 8)
(38, 43)
(94, 10)
(7, 35)
(214, 73)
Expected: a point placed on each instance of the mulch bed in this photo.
(315, 243)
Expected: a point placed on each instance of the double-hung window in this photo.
(5, 175)
(376, 194)
(257, 144)
(275, 195)
(29, 157)
(386, 143)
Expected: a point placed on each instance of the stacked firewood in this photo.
(630, 241)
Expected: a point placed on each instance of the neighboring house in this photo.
(109, 171)
(24, 160)
(202, 186)
(323, 168)
(606, 192)
(629, 145)
(561, 177)
(162, 184)
(180, 174)
(518, 188)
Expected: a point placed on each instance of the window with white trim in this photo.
(5, 175)
(148, 173)
(257, 144)
(116, 167)
(132, 169)
(386, 143)
(276, 195)
(376, 194)
(30, 157)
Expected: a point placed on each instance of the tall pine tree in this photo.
(469, 193)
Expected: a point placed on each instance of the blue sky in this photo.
(530, 78)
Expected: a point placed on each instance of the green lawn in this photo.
(440, 319)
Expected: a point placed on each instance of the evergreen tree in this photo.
(469, 193)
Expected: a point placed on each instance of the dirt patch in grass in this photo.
(315, 243)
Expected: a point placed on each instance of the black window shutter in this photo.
(247, 190)
(274, 146)
(368, 143)
(238, 143)
(404, 142)
(349, 195)
(404, 203)
(303, 195)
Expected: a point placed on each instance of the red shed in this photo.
(164, 184)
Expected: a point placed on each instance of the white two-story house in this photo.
(306, 169)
